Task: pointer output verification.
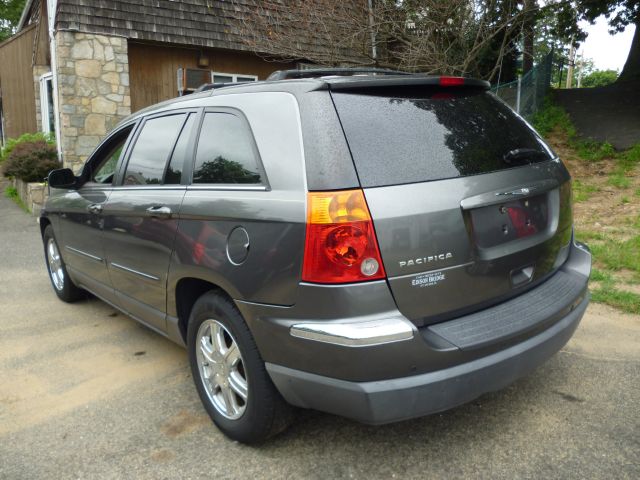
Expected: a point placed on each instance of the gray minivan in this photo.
(378, 246)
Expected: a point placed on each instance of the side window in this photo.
(225, 151)
(103, 165)
(151, 151)
(174, 170)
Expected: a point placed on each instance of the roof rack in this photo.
(214, 86)
(326, 72)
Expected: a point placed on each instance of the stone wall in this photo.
(93, 90)
(32, 194)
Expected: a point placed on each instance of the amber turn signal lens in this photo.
(341, 244)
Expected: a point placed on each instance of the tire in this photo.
(221, 373)
(62, 284)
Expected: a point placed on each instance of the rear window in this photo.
(406, 137)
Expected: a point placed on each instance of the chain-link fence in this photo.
(526, 94)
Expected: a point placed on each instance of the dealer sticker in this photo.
(428, 279)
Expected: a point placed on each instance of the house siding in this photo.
(153, 69)
(16, 84)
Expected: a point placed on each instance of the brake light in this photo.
(451, 81)
(341, 245)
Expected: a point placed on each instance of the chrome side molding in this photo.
(135, 272)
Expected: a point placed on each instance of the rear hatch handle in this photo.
(511, 193)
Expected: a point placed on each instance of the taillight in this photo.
(341, 244)
(451, 81)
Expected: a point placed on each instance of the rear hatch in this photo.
(469, 205)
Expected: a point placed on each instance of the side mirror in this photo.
(62, 178)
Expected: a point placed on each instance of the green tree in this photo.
(10, 12)
(619, 13)
(600, 78)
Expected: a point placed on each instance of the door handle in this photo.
(160, 211)
(95, 208)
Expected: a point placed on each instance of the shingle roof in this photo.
(204, 23)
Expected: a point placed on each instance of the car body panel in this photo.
(438, 262)
(138, 247)
(272, 214)
(82, 238)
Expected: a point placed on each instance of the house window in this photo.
(217, 77)
(46, 103)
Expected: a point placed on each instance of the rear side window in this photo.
(408, 137)
(151, 151)
(225, 152)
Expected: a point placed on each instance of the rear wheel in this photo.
(64, 287)
(230, 375)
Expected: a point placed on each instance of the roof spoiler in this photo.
(357, 83)
(327, 72)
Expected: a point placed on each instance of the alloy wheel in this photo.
(222, 369)
(55, 265)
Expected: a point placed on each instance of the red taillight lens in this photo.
(451, 81)
(341, 244)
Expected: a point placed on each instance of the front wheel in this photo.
(229, 373)
(64, 287)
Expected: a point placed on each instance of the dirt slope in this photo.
(605, 114)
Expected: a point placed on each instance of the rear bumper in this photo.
(440, 366)
(379, 402)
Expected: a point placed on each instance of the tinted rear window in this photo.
(405, 138)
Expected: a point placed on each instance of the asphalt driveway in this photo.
(87, 393)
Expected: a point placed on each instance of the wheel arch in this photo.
(44, 222)
(187, 292)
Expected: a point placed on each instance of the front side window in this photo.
(102, 167)
(225, 152)
(152, 149)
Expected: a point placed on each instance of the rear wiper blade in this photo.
(523, 154)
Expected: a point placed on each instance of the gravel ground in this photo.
(87, 393)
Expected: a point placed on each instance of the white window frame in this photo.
(45, 114)
(234, 76)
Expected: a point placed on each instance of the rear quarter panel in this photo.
(274, 217)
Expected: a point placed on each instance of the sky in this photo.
(607, 51)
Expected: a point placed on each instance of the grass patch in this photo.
(550, 117)
(618, 180)
(598, 275)
(588, 235)
(616, 246)
(613, 260)
(618, 254)
(593, 151)
(626, 301)
(553, 117)
(583, 191)
(12, 193)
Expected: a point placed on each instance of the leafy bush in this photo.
(551, 116)
(600, 78)
(31, 161)
(27, 137)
